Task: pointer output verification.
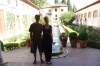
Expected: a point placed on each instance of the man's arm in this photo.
(31, 33)
(31, 37)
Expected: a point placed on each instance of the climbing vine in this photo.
(32, 19)
(24, 21)
(10, 21)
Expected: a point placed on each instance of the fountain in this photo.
(57, 50)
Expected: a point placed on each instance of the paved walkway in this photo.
(76, 57)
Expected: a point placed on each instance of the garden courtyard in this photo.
(76, 57)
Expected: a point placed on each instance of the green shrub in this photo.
(2, 46)
(23, 43)
(73, 35)
(82, 28)
(90, 28)
(63, 36)
(10, 46)
(83, 35)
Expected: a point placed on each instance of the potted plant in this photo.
(73, 39)
(83, 39)
(63, 38)
(27, 38)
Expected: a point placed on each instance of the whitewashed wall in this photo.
(91, 21)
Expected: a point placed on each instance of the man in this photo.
(35, 38)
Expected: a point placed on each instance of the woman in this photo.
(47, 40)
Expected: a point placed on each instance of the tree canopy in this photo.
(39, 3)
(69, 5)
(63, 1)
(74, 8)
(67, 17)
(56, 1)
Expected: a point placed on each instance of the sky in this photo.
(78, 3)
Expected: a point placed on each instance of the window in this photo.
(85, 15)
(55, 9)
(8, 1)
(95, 13)
(89, 15)
(49, 11)
(81, 15)
(61, 9)
(55, 15)
(55, 18)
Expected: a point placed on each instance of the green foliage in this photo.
(87, 33)
(73, 35)
(83, 35)
(63, 36)
(2, 46)
(39, 3)
(11, 46)
(69, 5)
(67, 18)
(63, 1)
(16, 41)
(56, 1)
(90, 28)
(41, 19)
(32, 19)
(74, 8)
(82, 28)
(22, 43)
(24, 21)
(10, 21)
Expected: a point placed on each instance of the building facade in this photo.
(89, 15)
(54, 11)
(16, 15)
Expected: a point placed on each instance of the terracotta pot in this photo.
(73, 43)
(28, 42)
(63, 42)
(83, 43)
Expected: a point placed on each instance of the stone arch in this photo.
(81, 15)
(89, 14)
(95, 13)
(85, 14)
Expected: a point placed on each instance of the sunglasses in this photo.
(37, 18)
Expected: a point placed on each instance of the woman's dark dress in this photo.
(47, 43)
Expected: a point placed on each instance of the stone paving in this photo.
(76, 57)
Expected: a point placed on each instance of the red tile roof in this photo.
(31, 4)
(98, 1)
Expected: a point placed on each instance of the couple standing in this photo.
(44, 44)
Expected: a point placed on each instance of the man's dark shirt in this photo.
(36, 29)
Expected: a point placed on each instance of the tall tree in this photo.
(56, 1)
(63, 1)
(74, 8)
(39, 3)
(69, 5)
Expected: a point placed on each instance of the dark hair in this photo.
(37, 16)
(45, 17)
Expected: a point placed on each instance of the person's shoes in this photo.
(42, 61)
(49, 62)
(34, 62)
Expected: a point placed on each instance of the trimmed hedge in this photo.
(68, 30)
(15, 41)
(93, 37)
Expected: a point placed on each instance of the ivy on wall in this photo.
(32, 19)
(10, 21)
(24, 21)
